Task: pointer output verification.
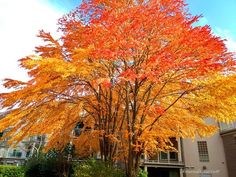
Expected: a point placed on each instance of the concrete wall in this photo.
(216, 166)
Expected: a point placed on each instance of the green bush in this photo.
(11, 171)
(92, 168)
(40, 167)
(142, 173)
(47, 166)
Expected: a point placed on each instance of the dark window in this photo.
(173, 156)
(174, 143)
(164, 156)
(18, 154)
(14, 153)
(78, 127)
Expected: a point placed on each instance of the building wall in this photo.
(229, 140)
(7, 152)
(24, 149)
(216, 167)
(13, 156)
(192, 167)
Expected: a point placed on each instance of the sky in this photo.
(220, 15)
(20, 21)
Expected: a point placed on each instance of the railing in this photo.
(162, 161)
(12, 161)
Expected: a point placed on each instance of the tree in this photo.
(134, 73)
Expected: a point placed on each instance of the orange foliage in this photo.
(134, 72)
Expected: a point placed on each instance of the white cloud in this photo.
(223, 33)
(230, 41)
(20, 22)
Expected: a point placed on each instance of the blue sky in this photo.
(64, 5)
(219, 14)
(20, 21)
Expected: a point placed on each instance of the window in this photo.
(77, 129)
(164, 156)
(173, 155)
(154, 157)
(203, 151)
(15, 153)
(142, 156)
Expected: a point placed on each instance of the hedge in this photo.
(96, 168)
(11, 171)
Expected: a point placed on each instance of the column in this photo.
(179, 151)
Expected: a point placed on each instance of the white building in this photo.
(201, 157)
(17, 155)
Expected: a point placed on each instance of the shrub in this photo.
(92, 168)
(142, 173)
(11, 171)
(47, 165)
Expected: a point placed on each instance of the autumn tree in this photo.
(133, 73)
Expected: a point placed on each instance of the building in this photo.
(13, 156)
(201, 157)
(228, 134)
(205, 157)
(165, 164)
(25, 149)
(17, 155)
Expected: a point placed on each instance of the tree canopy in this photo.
(134, 73)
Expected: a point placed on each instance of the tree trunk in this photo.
(106, 149)
(133, 163)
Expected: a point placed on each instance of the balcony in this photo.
(171, 159)
(162, 159)
(12, 161)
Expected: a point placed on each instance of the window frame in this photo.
(203, 152)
